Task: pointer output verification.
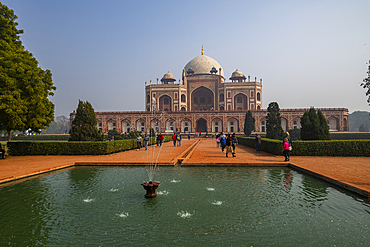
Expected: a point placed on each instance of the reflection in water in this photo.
(205, 206)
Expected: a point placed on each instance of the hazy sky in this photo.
(308, 53)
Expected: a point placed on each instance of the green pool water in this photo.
(195, 206)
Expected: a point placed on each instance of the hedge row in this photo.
(350, 136)
(72, 148)
(356, 148)
(37, 138)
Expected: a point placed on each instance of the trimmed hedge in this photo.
(72, 148)
(38, 138)
(355, 148)
(350, 136)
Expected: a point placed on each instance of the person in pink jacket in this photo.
(286, 149)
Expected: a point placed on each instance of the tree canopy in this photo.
(366, 84)
(248, 123)
(59, 126)
(25, 87)
(84, 124)
(314, 126)
(273, 122)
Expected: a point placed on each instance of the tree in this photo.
(295, 134)
(366, 83)
(248, 123)
(314, 126)
(324, 129)
(115, 134)
(59, 126)
(152, 132)
(273, 122)
(84, 124)
(25, 87)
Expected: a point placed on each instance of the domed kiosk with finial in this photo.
(237, 76)
(168, 78)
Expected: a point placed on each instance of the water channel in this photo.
(195, 206)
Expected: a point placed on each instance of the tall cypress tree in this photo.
(324, 129)
(248, 123)
(314, 126)
(273, 122)
(84, 124)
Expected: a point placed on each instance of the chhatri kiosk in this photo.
(203, 100)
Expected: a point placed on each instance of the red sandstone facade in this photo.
(203, 101)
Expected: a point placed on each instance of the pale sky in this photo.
(308, 53)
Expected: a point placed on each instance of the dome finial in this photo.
(202, 51)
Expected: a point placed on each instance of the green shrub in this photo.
(72, 147)
(350, 136)
(356, 148)
(38, 138)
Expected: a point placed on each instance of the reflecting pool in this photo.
(195, 206)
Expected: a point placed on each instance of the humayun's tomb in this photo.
(204, 101)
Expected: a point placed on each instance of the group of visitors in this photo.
(227, 142)
(139, 140)
(287, 145)
(159, 139)
(176, 138)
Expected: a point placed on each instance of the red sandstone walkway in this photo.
(350, 172)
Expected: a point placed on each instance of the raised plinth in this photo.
(150, 188)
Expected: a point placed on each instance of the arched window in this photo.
(183, 98)
(258, 96)
(195, 100)
(221, 97)
(148, 98)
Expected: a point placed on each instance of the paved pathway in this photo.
(352, 173)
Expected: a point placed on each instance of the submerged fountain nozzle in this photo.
(150, 188)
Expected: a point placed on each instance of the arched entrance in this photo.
(202, 99)
(201, 125)
(165, 103)
(240, 102)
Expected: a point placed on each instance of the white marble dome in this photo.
(237, 73)
(203, 65)
(168, 75)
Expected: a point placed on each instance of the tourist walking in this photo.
(178, 139)
(218, 140)
(289, 138)
(174, 139)
(258, 143)
(189, 136)
(146, 141)
(235, 142)
(229, 147)
(157, 140)
(138, 141)
(161, 138)
(223, 141)
(286, 150)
